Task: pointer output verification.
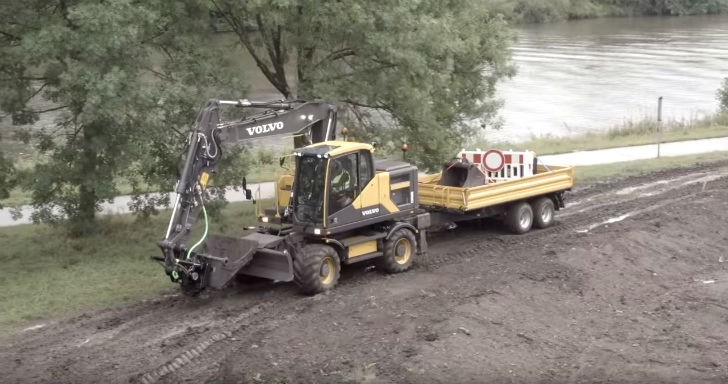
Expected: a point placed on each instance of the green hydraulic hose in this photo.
(204, 235)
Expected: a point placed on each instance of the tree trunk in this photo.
(82, 222)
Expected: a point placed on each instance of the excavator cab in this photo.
(277, 211)
(339, 187)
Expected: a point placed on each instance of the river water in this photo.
(589, 75)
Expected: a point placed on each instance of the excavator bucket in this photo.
(461, 174)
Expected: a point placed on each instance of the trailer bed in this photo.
(548, 179)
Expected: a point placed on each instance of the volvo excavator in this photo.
(306, 122)
(344, 206)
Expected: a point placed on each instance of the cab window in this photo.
(344, 181)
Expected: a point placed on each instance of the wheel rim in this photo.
(525, 220)
(546, 214)
(327, 271)
(402, 251)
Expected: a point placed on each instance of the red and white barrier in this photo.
(500, 165)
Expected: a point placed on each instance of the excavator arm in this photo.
(308, 122)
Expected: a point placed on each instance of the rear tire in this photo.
(399, 251)
(519, 217)
(316, 268)
(543, 212)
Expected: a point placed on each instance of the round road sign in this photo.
(493, 160)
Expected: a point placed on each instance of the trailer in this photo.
(522, 202)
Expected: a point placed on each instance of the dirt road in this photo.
(629, 286)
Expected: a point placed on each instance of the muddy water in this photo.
(592, 74)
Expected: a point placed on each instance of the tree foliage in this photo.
(124, 78)
(7, 177)
(429, 66)
(540, 11)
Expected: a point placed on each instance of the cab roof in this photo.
(333, 148)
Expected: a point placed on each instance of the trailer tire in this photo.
(316, 268)
(399, 250)
(519, 217)
(543, 212)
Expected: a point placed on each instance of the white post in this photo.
(659, 125)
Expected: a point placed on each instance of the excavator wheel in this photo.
(399, 250)
(316, 268)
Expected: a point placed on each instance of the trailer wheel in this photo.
(399, 250)
(519, 217)
(543, 211)
(316, 268)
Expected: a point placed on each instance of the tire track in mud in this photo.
(206, 346)
(212, 347)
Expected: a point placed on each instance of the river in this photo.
(589, 75)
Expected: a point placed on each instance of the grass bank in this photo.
(46, 275)
(610, 172)
(628, 134)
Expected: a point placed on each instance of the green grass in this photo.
(605, 172)
(628, 134)
(45, 274)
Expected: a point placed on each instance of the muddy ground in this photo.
(630, 286)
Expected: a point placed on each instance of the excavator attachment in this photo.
(461, 174)
(253, 255)
(227, 255)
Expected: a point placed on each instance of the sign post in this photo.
(659, 125)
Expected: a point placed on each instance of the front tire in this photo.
(399, 251)
(519, 217)
(316, 269)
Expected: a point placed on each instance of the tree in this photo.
(723, 96)
(124, 78)
(429, 65)
(7, 177)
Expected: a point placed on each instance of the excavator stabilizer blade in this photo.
(237, 251)
(270, 264)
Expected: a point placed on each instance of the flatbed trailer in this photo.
(547, 180)
(537, 196)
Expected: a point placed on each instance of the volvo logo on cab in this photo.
(368, 212)
(265, 128)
